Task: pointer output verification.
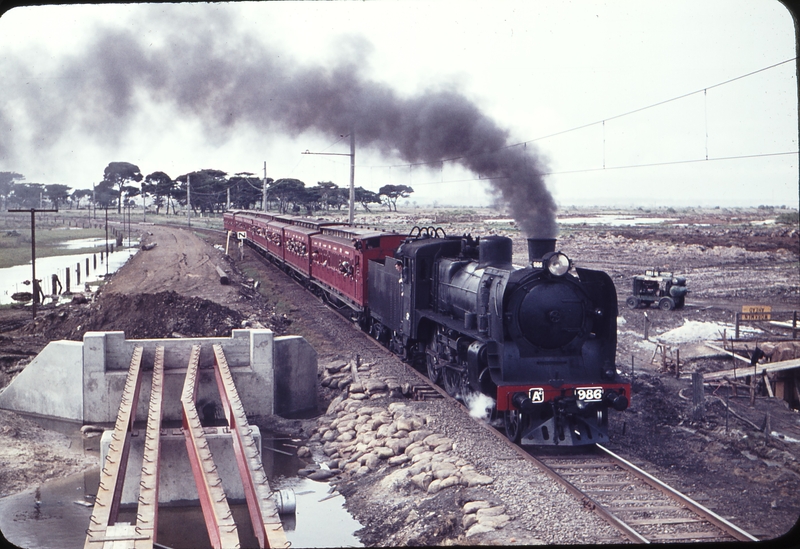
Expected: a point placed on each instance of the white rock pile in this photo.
(357, 436)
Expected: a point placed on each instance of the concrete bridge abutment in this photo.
(83, 381)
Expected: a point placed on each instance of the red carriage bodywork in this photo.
(340, 258)
(332, 256)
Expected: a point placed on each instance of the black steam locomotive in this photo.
(541, 340)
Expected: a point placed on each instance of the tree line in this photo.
(206, 191)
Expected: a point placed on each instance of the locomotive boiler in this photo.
(539, 339)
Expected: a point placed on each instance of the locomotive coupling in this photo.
(617, 401)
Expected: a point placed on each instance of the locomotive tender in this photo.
(540, 339)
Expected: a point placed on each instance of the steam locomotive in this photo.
(540, 340)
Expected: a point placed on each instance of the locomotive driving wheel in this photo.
(512, 421)
(434, 369)
(432, 361)
(454, 382)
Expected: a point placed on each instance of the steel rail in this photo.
(147, 509)
(683, 499)
(263, 511)
(586, 500)
(112, 474)
(219, 521)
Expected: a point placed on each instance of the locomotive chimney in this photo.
(537, 247)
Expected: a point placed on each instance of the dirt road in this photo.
(178, 261)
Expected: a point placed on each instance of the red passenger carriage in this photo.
(340, 260)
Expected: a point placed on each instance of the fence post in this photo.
(737, 327)
(698, 396)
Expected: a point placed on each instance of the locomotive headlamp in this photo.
(558, 264)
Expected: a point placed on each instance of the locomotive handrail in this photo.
(431, 231)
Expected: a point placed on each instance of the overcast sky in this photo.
(183, 87)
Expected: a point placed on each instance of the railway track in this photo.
(643, 508)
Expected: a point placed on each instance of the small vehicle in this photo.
(661, 288)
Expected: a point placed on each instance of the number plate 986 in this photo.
(589, 394)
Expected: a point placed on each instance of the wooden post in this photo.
(796, 387)
(794, 325)
(727, 410)
(737, 327)
(768, 383)
(66, 280)
(78, 274)
(354, 368)
(698, 396)
(677, 363)
(753, 381)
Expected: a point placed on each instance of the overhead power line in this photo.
(609, 168)
(601, 121)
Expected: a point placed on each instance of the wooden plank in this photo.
(648, 508)
(690, 536)
(727, 352)
(663, 520)
(601, 483)
(759, 369)
(580, 465)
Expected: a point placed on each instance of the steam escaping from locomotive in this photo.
(224, 78)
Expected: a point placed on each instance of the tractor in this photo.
(661, 288)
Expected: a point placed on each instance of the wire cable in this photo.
(602, 121)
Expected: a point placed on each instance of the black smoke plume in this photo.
(208, 70)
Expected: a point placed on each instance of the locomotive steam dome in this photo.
(551, 315)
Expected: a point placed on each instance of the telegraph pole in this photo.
(35, 284)
(352, 174)
(264, 189)
(189, 200)
(352, 156)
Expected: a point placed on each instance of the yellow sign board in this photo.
(756, 312)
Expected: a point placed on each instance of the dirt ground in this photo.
(726, 460)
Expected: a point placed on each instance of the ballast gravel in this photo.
(423, 472)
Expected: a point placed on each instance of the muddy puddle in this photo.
(12, 278)
(57, 513)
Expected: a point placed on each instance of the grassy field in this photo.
(15, 245)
